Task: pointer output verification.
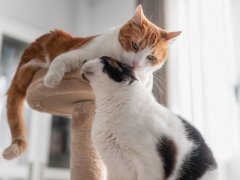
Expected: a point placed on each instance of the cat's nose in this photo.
(135, 65)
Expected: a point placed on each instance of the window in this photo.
(202, 76)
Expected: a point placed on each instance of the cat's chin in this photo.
(145, 78)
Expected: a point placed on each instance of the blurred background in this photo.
(200, 81)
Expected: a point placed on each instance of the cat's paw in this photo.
(12, 151)
(52, 80)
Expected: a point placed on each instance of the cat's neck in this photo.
(119, 95)
(146, 79)
(124, 104)
(113, 91)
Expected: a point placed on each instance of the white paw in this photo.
(11, 152)
(52, 80)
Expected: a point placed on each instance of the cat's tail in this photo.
(15, 102)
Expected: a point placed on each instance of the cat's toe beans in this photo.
(11, 152)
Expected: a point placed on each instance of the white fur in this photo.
(128, 125)
(210, 175)
(106, 44)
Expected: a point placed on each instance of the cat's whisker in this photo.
(158, 92)
(131, 125)
(156, 75)
(160, 86)
(157, 85)
(160, 81)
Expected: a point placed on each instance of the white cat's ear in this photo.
(138, 16)
(170, 36)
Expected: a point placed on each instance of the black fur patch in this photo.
(168, 152)
(198, 161)
(117, 71)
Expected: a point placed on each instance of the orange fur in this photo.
(138, 30)
(51, 45)
(144, 33)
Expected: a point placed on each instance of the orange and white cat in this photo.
(138, 43)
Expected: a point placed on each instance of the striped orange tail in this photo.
(15, 100)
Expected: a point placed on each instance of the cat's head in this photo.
(106, 72)
(145, 44)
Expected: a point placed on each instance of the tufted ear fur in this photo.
(170, 36)
(138, 16)
(117, 71)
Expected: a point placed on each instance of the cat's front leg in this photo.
(63, 63)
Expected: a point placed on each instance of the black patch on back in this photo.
(119, 73)
(200, 159)
(168, 152)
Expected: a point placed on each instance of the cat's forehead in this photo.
(116, 70)
(109, 61)
(146, 35)
(114, 65)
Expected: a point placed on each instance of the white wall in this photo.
(236, 29)
(79, 17)
(41, 14)
(96, 16)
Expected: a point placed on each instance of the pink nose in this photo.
(135, 65)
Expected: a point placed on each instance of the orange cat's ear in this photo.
(170, 35)
(138, 16)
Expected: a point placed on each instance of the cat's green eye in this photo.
(151, 58)
(135, 46)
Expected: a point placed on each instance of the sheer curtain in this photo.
(202, 77)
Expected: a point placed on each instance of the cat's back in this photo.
(180, 146)
(199, 163)
(131, 124)
(52, 44)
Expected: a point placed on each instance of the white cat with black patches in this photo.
(138, 138)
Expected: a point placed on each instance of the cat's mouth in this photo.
(85, 74)
(84, 78)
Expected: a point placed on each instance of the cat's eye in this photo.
(135, 46)
(151, 58)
